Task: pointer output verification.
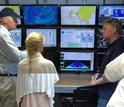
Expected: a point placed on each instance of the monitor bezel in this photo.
(100, 24)
(71, 25)
(78, 72)
(45, 48)
(20, 11)
(21, 37)
(97, 34)
(40, 25)
(83, 48)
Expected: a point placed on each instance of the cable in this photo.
(37, 1)
(7, 1)
(84, 1)
(103, 2)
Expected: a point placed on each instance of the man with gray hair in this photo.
(10, 55)
(112, 31)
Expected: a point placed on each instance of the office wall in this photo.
(61, 1)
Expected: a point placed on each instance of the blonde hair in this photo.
(34, 43)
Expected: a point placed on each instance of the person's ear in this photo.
(41, 49)
(5, 19)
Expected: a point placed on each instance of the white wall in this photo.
(61, 1)
(2, 1)
(22, 1)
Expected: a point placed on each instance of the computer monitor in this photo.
(110, 11)
(99, 58)
(78, 15)
(40, 14)
(76, 61)
(50, 36)
(17, 37)
(16, 8)
(77, 38)
(101, 41)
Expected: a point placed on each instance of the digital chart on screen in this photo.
(77, 15)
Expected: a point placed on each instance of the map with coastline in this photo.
(78, 15)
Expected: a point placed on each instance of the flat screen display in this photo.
(106, 12)
(17, 36)
(50, 36)
(101, 41)
(77, 61)
(78, 15)
(15, 8)
(100, 56)
(40, 15)
(77, 38)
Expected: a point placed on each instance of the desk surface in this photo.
(68, 82)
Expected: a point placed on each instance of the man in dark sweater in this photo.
(112, 30)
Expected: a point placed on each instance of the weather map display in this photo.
(78, 15)
(77, 61)
(77, 38)
(50, 36)
(40, 15)
(17, 36)
(106, 12)
(15, 8)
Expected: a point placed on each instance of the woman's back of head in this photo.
(34, 43)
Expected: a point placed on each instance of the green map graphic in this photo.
(85, 13)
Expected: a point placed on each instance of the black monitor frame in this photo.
(77, 48)
(109, 5)
(79, 25)
(41, 25)
(21, 37)
(54, 28)
(79, 71)
(11, 5)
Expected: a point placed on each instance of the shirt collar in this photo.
(5, 29)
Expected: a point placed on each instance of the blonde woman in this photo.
(36, 76)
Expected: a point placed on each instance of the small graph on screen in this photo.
(17, 36)
(49, 35)
(77, 61)
(106, 12)
(77, 38)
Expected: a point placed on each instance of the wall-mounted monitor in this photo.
(16, 8)
(78, 15)
(50, 36)
(99, 59)
(76, 61)
(17, 36)
(101, 41)
(77, 38)
(110, 11)
(40, 14)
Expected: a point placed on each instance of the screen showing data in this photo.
(77, 38)
(17, 36)
(106, 12)
(50, 36)
(40, 15)
(78, 15)
(77, 61)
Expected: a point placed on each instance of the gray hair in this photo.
(115, 23)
